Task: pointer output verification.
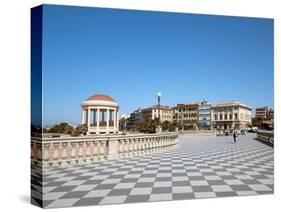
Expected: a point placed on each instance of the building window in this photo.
(220, 116)
(236, 116)
(230, 116)
(242, 116)
(225, 117)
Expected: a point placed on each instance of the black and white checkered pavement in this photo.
(201, 167)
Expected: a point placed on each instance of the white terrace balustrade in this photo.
(86, 149)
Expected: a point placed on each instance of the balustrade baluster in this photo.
(130, 147)
(73, 152)
(123, 148)
(63, 153)
(143, 146)
(139, 146)
(102, 150)
(120, 147)
(96, 151)
(88, 151)
(135, 147)
(92, 150)
(46, 154)
(154, 144)
(84, 150)
(158, 144)
(126, 148)
(68, 152)
(99, 150)
(80, 151)
(56, 153)
(148, 146)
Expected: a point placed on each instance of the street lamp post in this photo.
(158, 99)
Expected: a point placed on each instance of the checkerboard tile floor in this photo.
(202, 167)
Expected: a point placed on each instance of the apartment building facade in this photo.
(186, 115)
(152, 113)
(231, 115)
(264, 113)
(204, 116)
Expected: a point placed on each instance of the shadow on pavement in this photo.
(263, 142)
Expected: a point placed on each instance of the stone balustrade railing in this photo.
(75, 150)
(266, 136)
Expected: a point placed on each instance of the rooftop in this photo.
(101, 97)
(232, 103)
(162, 107)
(194, 104)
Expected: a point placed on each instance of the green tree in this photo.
(146, 126)
(62, 128)
(80, 130)
(172, 127)
(165, 125)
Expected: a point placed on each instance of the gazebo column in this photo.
(102, 116)
(107, 120)
(114, 120)
(98, 121)
(88, 117)
(117, 120)
(94, 117)
(110, 118)
(82, 116)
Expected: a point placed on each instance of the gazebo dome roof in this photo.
(101, 97)
(100, 100)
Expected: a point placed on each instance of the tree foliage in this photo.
(146, 126)
(165, 125)
(62, 128)
(174, 126)
(80, 130)
(149, 126)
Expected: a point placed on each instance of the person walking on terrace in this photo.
(235, 135)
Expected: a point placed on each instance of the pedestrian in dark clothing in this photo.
(234, 136)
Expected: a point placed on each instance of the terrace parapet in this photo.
(48, 152)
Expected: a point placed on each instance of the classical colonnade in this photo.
(100, 119)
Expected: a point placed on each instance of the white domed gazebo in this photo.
(100, 114)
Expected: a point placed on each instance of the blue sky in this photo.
(131, 55)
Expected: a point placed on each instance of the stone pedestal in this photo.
(112, 149)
